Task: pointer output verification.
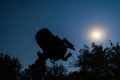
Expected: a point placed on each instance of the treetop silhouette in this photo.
(100, 63)
(9, 67)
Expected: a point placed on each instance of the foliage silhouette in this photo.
(9, 67)
(35, 71)
(99, 63)
(56, 72)
(74, 76)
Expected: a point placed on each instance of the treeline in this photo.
(95, 63)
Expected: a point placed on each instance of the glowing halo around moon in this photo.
(96, 34)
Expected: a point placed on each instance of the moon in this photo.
(96, 34)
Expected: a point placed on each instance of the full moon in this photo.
(96, 34)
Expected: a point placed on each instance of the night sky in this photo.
(21, 19)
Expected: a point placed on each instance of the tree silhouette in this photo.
(35, 71)
(74, 76)
(38, 70)
(56, 72)
(26, 74)
(99, 63)
(9, 67)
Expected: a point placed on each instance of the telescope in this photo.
(53, 47)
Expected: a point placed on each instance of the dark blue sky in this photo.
(21, 19)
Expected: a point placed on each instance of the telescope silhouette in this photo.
(53, 47)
